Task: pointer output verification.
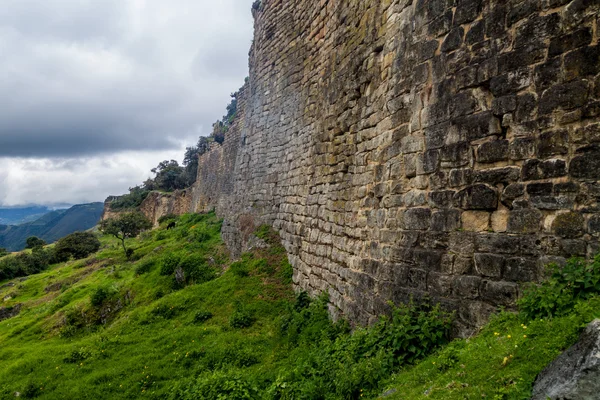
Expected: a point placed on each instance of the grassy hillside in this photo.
(181, 321)
(52, 226)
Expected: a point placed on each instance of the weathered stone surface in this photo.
(575, 374)
(493, 151)
(489, 265)
(477, 197)
(394, 146)
(524, 221)
(568, 225)
(586, 165)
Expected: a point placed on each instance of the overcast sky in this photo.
(95, 93)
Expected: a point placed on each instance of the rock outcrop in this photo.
(441, 148)
(575, 375)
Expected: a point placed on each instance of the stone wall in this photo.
(441, 148)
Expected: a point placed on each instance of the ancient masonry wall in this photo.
(441, 148)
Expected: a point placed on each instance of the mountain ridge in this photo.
(52, 225)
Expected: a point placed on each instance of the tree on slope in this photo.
(126, 226)
(33, 242)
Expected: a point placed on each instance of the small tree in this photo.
(78, 245)
(125, 226)
(33, 242)
(3, 252)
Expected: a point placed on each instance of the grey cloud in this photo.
(80, 79)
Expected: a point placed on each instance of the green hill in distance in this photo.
(51, 226)
(23, 215)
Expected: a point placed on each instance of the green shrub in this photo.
(145, 266)
(101, 295)
(329, 359)
(240, 269)
(33, 242)
(169, 264)
(219, 385)
(25, 264)
(196, 271)
(241, 317)
(577, 280)
(202, 316)
(77, 356)
(77, 245)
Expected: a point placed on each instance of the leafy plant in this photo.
(78, 245)
(169, 264)
(577, 280)
(241, 317)
(202, 316)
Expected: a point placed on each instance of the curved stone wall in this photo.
(441, 148)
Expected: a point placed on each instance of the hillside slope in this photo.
(182, 321)
(52, 226)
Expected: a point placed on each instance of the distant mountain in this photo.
(21, 215)
(52, 225)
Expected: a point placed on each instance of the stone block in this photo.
(566, 96)
(540, 189)
(493, 151)
(575, 373)
(478, 126)
(537, 169)
(427, 259)
(500, 293)
(522, 148)
(454, 40)
(460, 177)
(504, 105)
(521, 269)
(439, 284)
(467, 287)
(475, 221)
(441, 198)
(445, 220)
(582, 63)
(455, 155)
(586, 164)
(553, 143)
(510, 82)
(417, 279)
(494, 176)
(500, 220)
(417, 218)
(571, 41)
(477, 197)
(489, 265)
(569, 225)
(594, 225)
(524, 221)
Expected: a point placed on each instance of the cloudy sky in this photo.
(95, 93)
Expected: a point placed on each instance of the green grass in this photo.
(153, 341)
(109, 328)
(501, 362)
